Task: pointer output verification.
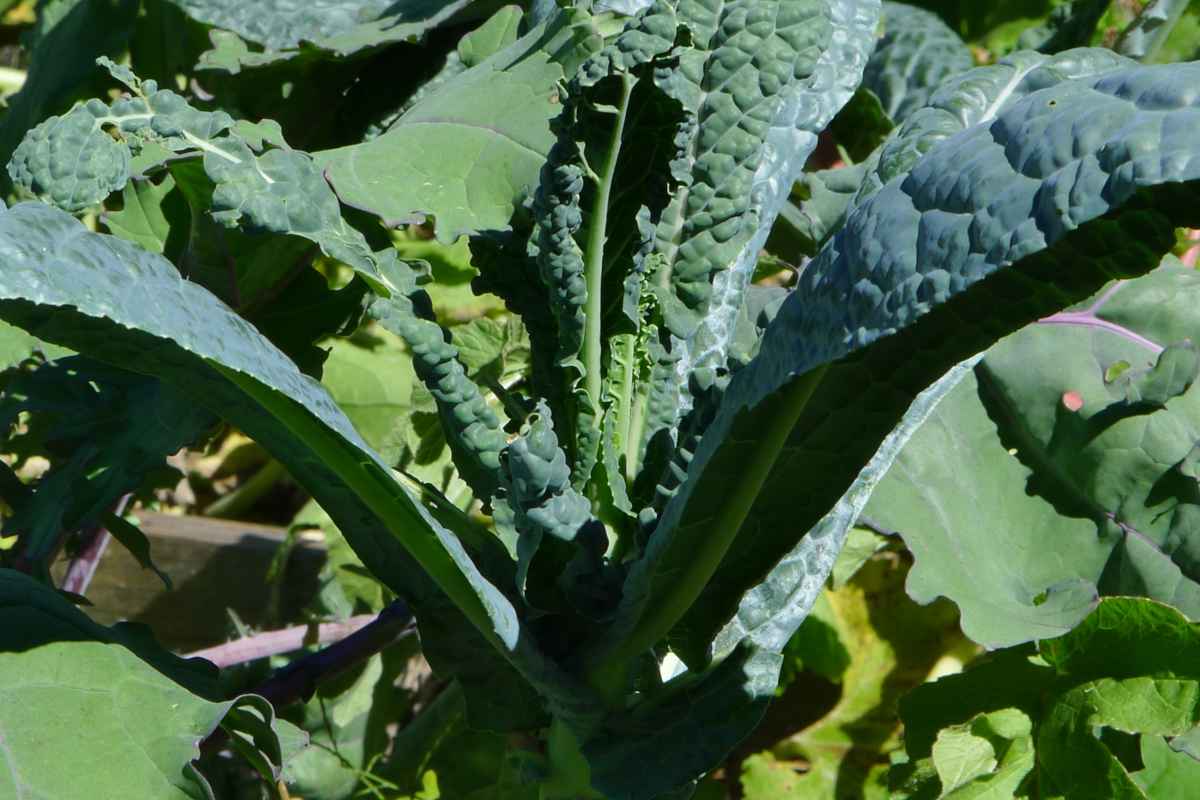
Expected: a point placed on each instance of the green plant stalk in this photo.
(606, 668)
(593, 341)
(633, 444)
(245, 496)
(11, 80)
(626, 413)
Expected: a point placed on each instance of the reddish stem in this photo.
(83, 565)
(273, 643)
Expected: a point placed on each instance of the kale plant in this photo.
(650, 513)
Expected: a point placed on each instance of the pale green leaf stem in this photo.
(593, 340)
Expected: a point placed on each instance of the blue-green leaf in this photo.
(472, 428)
(916, 54)
(1030, 207)
(326, 27)
(65, 42)
(261, 183)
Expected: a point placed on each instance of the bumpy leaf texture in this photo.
(65, 42)
(975, 98)
(765, 79)
(995, 226)
(472, 428)
(261, 184)
(915, 56)
(337, 27)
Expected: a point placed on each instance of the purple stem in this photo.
(298, 680)
(273, 643)
(83, 564)
(1088, 319)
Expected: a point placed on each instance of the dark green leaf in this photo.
(66, 284)
(64, 44)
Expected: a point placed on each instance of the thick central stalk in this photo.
(593, 340)
(672, 595)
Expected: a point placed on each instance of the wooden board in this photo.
(214, 564)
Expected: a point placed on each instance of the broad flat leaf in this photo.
(16, 345)
(498, 32)
(66, 40)
(466, 152)
(373, 381)
(145, 710)
(1063, 503)
(988, 756)
(1130, 667)
(952, 248)
(770, 612)
(892, 645)
(1166, 773)
(494, 351)
(916, 54)
(338, 27)
(70, 285)
(143, 219)
(765, 776)
(967, 757)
